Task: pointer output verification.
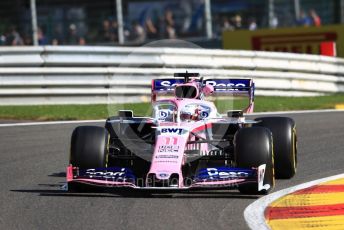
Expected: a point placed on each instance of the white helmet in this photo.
(189, 113)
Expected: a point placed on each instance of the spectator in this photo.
(114, 29)
(152, 31)
(2, 39)
(187, 12)
(82, 41)
(137, 33)
(42, 39)
(57, 37)
(28, 40)
(252, 24)
(13, 38)
(170, 30)
(55, 42)
(274, 22)
(226, 24)
(169, 18)
(237, 21)
(73, 37)
(316, 21)
(107, 33)
(304, 20)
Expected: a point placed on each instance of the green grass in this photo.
(82, 112)
(263, 104)
(67, 112)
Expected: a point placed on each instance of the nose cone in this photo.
(163, 180)
(168, 156)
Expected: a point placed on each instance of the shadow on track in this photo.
(115, 193)
(60, 174)
(59, 189)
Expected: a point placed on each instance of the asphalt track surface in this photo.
(33, 161)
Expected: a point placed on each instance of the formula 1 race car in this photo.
(186, 144)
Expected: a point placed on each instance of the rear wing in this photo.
(229, 86)
(233, 87)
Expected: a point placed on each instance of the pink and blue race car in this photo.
(186, 144)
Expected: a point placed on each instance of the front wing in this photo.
(207, 178)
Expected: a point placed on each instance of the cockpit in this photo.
(167, 111)
(194, 112)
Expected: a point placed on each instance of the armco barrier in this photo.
(85, 75)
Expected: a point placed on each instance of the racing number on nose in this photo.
(171, 140)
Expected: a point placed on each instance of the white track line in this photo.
(92, 121)
(254, 213)
(298, 112)
(49, 123)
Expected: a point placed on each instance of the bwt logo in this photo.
(172, 130)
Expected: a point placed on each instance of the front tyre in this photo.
(283, 131)
(252, 148)
(89, 147)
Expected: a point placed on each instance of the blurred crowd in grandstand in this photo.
(150, 27)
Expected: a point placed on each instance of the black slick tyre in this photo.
(89, 147)
(252, 148)
(283, 131)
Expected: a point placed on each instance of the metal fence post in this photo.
(271, 14)
(208, 19)
(120, 21)
(34, 22)
(341, 11)
(297, 9)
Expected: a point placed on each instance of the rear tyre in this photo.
(89, 147)
(252, 148)
(283, 131)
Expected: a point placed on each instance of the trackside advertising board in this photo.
(294, 40)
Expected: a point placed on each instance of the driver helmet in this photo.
(189, 113)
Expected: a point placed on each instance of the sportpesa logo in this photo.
(227, 84)
(105, 174)
(214, 173)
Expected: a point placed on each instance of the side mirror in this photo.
(208, 90)
(235, 113)
(125, 114)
